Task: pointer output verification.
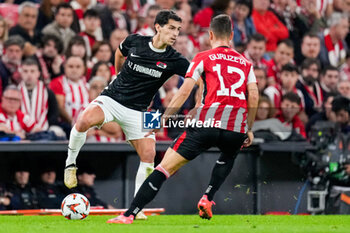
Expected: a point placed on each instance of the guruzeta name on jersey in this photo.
(220, 56)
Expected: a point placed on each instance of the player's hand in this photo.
(249, 139)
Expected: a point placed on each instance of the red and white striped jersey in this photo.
(18, 122)
(36, 105)
(275, 94)
(225, 74)
(76, 94)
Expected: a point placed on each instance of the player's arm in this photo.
(253, 99)
(179, 99)
(119, 60)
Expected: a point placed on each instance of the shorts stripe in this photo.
(179, 141)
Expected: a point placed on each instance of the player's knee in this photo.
(147, 155)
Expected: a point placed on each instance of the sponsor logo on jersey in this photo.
(134, 55)
(161, 65)
(151, 120)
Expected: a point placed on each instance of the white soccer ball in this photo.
(75, 206)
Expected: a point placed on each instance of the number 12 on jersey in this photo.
(225, 91)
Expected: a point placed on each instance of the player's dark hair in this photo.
(91, 13)
(288, 42)
(30, 62)
(329, 67)
(56, 40)
(164, 16)
(221, 26)
(309, 62)
(290, 68)
(64, 5)
(257, 37)
(292, 97)
(341, 103)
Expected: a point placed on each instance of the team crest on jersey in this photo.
(161, 65)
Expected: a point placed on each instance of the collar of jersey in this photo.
(155, 49)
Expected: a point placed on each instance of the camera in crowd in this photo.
(324, 163)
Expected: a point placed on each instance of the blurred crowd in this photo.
(57, 55)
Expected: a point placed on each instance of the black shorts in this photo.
(194, 141)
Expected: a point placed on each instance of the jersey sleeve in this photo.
(195, 69)
(182, 67)
(251, 76)
(57, 87)
(126, 44)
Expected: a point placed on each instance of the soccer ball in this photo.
(75, 206)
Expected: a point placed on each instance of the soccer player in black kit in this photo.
(149, 62)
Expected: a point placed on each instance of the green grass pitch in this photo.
(178, 223)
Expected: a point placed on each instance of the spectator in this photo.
(102, 51)
(148, 27)
(92, 23)
(203, 17)
(309, 86)
(345, 68)
(286, 12)
(60, 27)
(50, 193)
(265, 109)
(340, 106)
(184, 46)
(115, 16)
(46, 12)
(80, 6)
(333, 46)
(28, 14)
(290, 107)
(71, 90)
(11, 61)
(50, 58)
(267, 24)
(243, 25)
(86, 181)
(329, 80)
(24, 194)
(102, 69)
(310, 47)
(204, 42)
(117, 36)
(12, 119)
(289, 77)
(38, 102)
(284, 54)
(109, 132)
(325, 115)
(260, 74)
(343, 88)
(310, 13)
(5, 198)
(3, 34)
(76, 47)
(255, 51)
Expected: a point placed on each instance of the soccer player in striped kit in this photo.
(227, 77)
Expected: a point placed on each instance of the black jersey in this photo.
(144, 71)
